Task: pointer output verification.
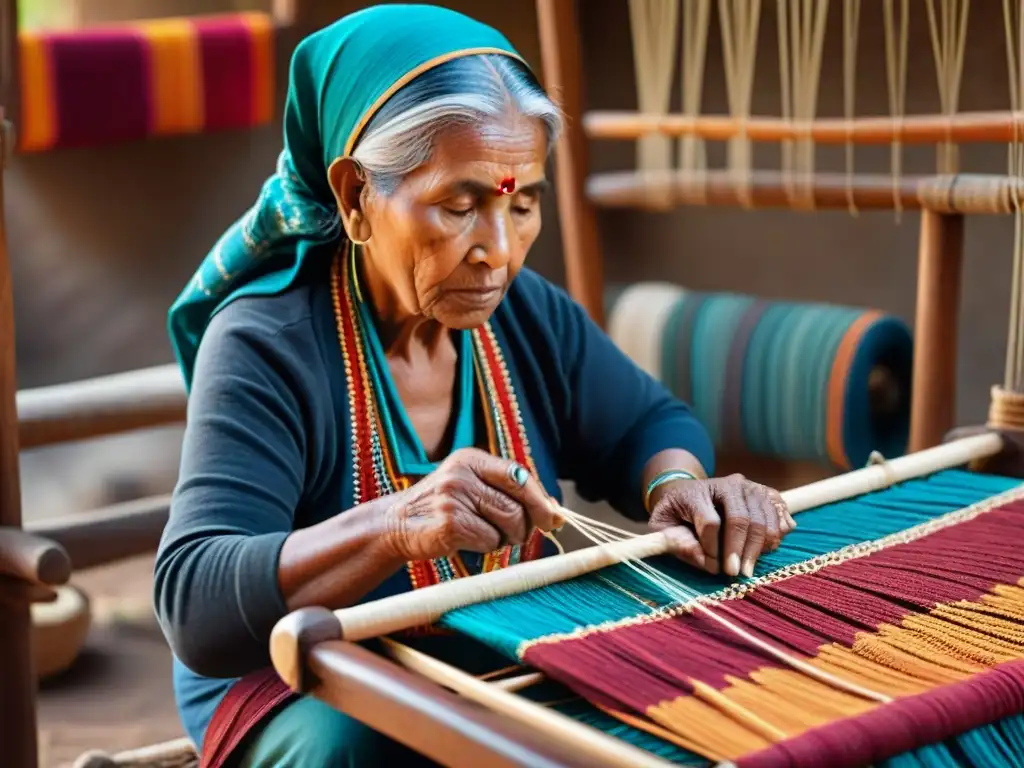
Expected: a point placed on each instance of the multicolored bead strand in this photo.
(372, 457)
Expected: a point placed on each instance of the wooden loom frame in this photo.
(940, 249)
(315, 650)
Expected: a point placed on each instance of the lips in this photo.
(482, 292)
(473, 296)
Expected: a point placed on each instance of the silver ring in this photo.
(518, 474)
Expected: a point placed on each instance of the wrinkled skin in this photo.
(727, 522)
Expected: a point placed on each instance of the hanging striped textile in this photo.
(145, 79)
(915, 592)
(795, 381)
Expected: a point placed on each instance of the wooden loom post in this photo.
(416, 704)
(561, 60)
(10, 91)
(939, 265)
(17, 691)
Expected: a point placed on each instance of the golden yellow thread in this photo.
(728, 705)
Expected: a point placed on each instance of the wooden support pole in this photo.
(966, 193)
(939, 265)
(105, 405)
(107, 535)
(17, 681)
(10, 87)
(427, 718)
(560, 59)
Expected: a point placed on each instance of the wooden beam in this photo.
(424, 716)
(563, 79)
(32, 559)
(18, 690)
(936, 325)
(110, 534)
(10, 85)
(105, 405)
(962, 128)
(660, 190)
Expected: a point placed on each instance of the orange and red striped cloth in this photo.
(145, 79)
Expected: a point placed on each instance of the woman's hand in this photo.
(473, 501)
(720, 521)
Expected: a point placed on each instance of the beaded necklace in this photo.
(373, 457)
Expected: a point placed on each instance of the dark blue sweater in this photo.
(267, 450)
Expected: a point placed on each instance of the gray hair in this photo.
(463, 91)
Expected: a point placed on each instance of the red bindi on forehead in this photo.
(507, 186)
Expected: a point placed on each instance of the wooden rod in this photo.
(961, 193)
(10, 67)
(425, 606)
(936, 325)
(33, 559)
(961, 128)
(110, 534)
(104, 405)
(426, 717)
(18, 689)
(563, 78)
(591, 743)
(518, 683)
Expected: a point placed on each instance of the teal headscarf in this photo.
(340, 77)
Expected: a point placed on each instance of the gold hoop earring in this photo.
(358, 242)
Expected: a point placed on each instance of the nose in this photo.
(496, 240)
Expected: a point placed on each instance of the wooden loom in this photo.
(943, 200)
(316, 651)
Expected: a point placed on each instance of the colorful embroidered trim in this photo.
(372, 456)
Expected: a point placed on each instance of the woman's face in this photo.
(447, 242)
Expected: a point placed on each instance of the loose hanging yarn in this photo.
(948, 30)
(739, 21)
(654, 26)
(897, 33)
(801, 28)
(851, 33)
(696, 16)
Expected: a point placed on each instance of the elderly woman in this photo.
(382, 396)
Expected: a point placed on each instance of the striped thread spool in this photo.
(793, 381)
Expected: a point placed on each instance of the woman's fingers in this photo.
(734, 520)
(683, 543)
(738, 524)
(504, 513)
(473, 532)
(692, 503)
(783, 508)
(763, 534)
(759, 496)
(515, 482)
